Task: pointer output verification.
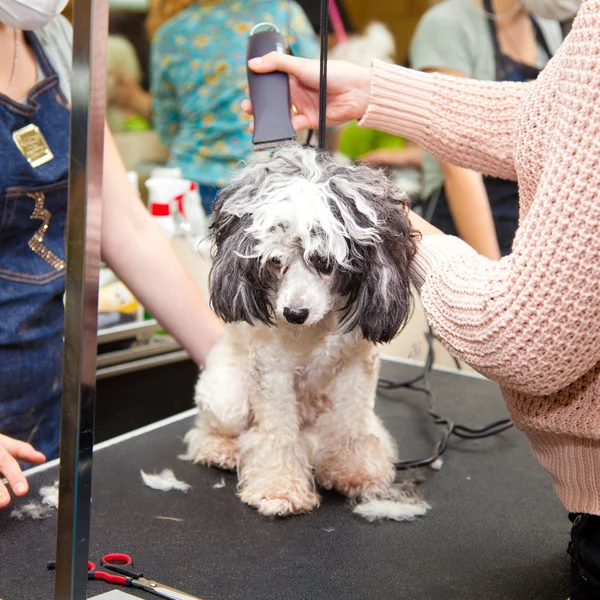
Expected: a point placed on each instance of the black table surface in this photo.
(496, 530)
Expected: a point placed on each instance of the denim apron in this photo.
(503, 195)
(33, 205)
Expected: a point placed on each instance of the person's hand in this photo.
(348, 87)
(129, 94)
(10, 451)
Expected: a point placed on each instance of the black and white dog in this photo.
(311, 272)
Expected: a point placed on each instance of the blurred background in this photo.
(176, 76)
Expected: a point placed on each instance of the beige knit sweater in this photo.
(531, 322)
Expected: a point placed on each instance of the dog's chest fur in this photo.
(317, 358)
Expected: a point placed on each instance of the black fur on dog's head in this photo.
(297, 231)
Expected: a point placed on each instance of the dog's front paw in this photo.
(355, 468)
(212, 450)
(285, 498)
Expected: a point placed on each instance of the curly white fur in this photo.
(399, 502)
(49, 494)
(164, 481)
(311, 270)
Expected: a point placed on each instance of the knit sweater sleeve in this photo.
(462, 121)
(531, 321)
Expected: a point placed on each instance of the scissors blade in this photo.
(164, 591)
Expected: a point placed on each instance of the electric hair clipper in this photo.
(269, 92)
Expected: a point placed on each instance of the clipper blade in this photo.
(271, 144)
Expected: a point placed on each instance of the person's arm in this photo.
(469, 204)
(470, 209)
(410, 156)
(465, 122)
(531, 321)
(443, 43)
(140, 254)
(165, 107)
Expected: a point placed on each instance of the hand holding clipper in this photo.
(269, 92)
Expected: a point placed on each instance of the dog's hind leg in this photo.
(224, 412)
(355, 453)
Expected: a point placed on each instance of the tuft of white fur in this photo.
(220, 485)
(376, 42)
(32, 510)
(399, 502)
(437, 464)
(165, 481)
(49, 494)
(373, 510)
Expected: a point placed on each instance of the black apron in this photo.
(503, 195)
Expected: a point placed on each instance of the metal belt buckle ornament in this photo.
(33, 146)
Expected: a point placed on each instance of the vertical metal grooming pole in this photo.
(88, 99)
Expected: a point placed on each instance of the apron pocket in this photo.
(32, 233)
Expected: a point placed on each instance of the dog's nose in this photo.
(297, 316)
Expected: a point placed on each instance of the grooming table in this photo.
(496, 530)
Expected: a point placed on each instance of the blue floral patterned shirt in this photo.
(199, 79)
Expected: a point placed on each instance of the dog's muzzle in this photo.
(296, 316)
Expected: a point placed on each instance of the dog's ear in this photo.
(378, 291)
(239, 285)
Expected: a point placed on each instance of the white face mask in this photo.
(557, 10)
(30, 14)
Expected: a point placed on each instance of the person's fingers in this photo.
(10, 469)
(247, 106)
(299, 121)
(4, 496)
(278, 61)
(22, 450)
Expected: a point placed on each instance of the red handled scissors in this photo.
(123, 565)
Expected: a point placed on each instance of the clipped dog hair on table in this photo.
(399, 502)
(310, 271)
(31, 510)
(164, 481)
(49, 494)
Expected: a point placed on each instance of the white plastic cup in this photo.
(166, 173)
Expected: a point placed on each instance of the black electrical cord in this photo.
(448, 427)
(323, 73)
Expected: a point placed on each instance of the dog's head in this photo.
(297, 236)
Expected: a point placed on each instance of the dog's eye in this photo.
(275, 263)
(321, 264)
